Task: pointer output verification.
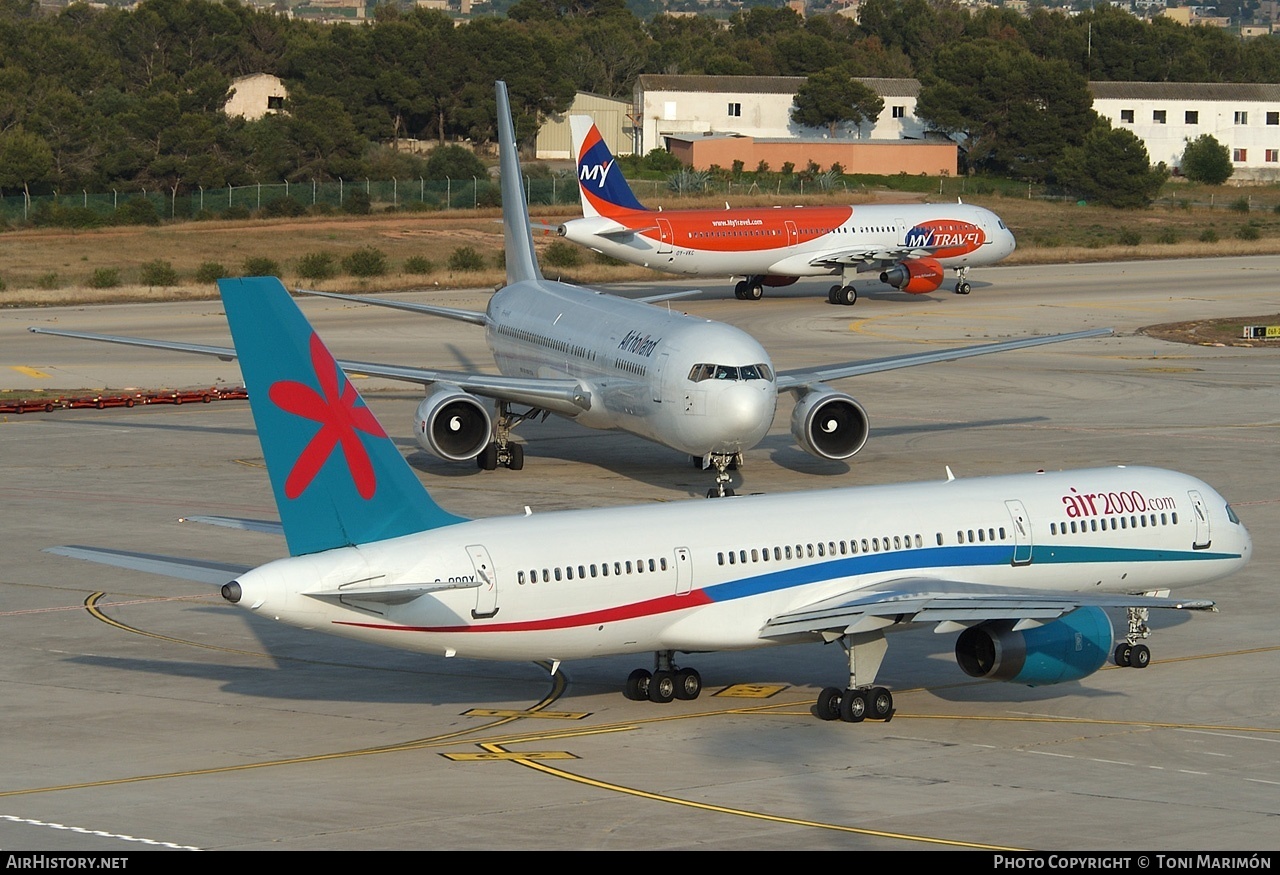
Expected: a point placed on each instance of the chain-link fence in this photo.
(355, 196)
(275, 199)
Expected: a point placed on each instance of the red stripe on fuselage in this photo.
(736, 230)
(652, 607)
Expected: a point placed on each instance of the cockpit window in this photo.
(1231, 515)
(759, 371)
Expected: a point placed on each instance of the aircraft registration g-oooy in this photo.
(910, 245)
(703, 388)
(1022, 567)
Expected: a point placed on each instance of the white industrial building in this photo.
(255, 96)
(1164, 115)
(755, 106)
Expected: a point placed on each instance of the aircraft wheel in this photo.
(1141, 656)
(962, 288)
(488, 458)
(853, 706)
(663, 687)
(879, 704)
(848, 296)
(688, 684)
(833, 295)
(1123, 654)
(516, 462)
(740, 291)
(828, 707)
(753, 293)
(637, 689)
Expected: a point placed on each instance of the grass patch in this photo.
(1215, 332)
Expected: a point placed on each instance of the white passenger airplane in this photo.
(910, 245)
(1021, 566)
(700, 387)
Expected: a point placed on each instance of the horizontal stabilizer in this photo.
(473, 316)
(398, 594)
(214, 573)
(270, 527)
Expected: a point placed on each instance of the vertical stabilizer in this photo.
(338, 479)
(522, 264)
(600, 182)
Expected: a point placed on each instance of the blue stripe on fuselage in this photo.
(975, 556)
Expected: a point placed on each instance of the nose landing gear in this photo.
(723, 463)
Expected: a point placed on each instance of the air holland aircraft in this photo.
(911, 245)
(700, 387)
(1021, 566)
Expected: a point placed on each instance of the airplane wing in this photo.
(215, 573)
(567, 397)
(463, 315)
(799, 379)
(952, 605)
(871, 256)
(668, 296)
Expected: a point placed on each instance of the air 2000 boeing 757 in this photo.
(703, 388)
(911, 245)
(1020, 566)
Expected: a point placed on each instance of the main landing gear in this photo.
(723, 463)
(665, 682)
(502, 450)
(962, 281)
(859, 700)
(1129, 653)
(846, 295)
(750, 289)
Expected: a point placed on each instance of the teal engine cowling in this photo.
(1069, 648)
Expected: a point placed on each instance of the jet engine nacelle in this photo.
(829, 424)
(1069, 648)
(452, 424)
(916, 276)
(776, 282)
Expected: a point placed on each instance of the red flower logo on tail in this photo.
(339, 419)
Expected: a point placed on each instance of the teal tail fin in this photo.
(338, 478)
(522, 263)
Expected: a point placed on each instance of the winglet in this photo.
(604, 190)
(338, 479)
(522, 263)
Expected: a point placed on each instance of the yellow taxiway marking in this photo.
(520, 712)
(29, 372)
(750, 691)
(532, 763)
(507, 756)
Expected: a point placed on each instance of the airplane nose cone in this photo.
(743, 415)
